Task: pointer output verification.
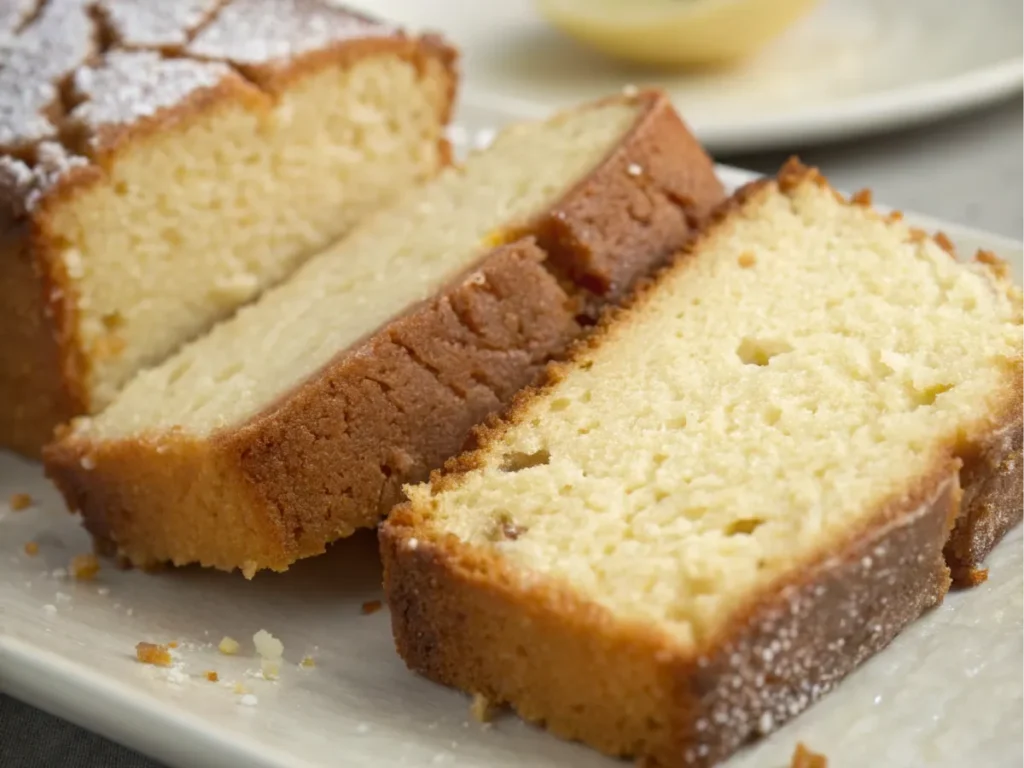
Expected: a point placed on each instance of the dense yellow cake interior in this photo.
(794, 374)
(396, 258)
(203, 215)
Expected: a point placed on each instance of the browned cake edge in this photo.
(464, 617)
(44, 330)
(333, 454)
(993, 502)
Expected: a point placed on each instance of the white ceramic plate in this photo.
(947, 692)
(852, 67)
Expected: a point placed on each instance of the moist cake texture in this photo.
(734, 492)
(299, 419)
(163, 163)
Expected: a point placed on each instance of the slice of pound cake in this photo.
(161, 163)
(737, 490)
(298, 420)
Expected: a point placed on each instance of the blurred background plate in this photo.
(851, 67)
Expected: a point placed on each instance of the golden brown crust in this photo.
(464, 617)
(46, 381)
(32, 387)
(385, 412)
(993, 502)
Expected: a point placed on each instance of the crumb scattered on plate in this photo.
(308, 662)
(172, 644)
(240, 688)
(270, 650)
(805, 758)
(372, 606)
(151, 653)
(228, 646)
(212, 676)
(84, 567)
(20, 501)
(481, 708)
(31, 548)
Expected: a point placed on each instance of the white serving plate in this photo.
(948, 692)
(852, 67)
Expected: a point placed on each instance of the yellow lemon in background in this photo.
(674, 32)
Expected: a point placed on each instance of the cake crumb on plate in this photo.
(270, 650)
(805, 758)
(31, 548)
(84, 567)
(151, 653)
(228, 646)
(371, 606)
(482, 709)
(20, 501)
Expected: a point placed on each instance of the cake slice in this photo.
(298, 420)
(162, 163)
(736, 491)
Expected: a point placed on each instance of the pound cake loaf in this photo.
(298, 420)
(162, 163)
(737, 490)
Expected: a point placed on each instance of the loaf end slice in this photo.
(731, 495)
(162, 164)
(300, 419)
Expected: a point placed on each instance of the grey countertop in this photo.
(968, 170)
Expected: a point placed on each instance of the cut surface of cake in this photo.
(734, 492)
(163, 163)
(298, 420)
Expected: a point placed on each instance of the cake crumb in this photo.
(150, 653)
(239, 688)
(805, 758)
(173, 644)
(31, 548)
(20, 501)
(482, 709)
(308, 662)
(211, 675)
(228, 646)
(371, 606)
(976, 576)
(248, 700)
(270, 650)
(84, 567)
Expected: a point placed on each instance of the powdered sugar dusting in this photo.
(21, 186)
(163, 24)
(31, 64)
(13, 14)
(128, 86)
(260, 32)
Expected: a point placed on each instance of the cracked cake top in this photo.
(76, 74)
